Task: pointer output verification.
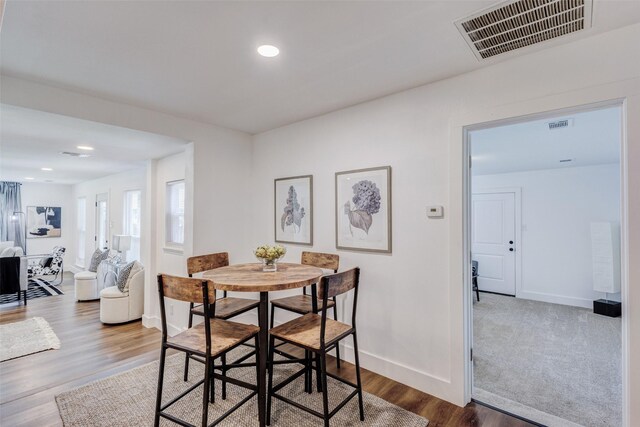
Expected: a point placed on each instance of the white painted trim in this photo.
(74, 268)
(404, 374)
(173, 251)
(156, 322)
(151, 322)
(582, 100)
(556, 299)
(517, 191)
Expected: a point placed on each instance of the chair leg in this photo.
(212, 384)
(325, 391)
(270, 381)
(318, 374)
(307, 372)
(205, 391)
(186, 356)
(24, 295)
(358, 380)
(335, 317)
(163, 353)
(224, 374)
(273, 311)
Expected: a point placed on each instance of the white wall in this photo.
(558, 206)
(37, 194)
(114, 186)
(412, 309)
(169, 260)
(411, 312)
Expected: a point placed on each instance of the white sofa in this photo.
(121, 307)
(8, 250)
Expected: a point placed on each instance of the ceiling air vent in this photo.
(71, 154)
(517, 24)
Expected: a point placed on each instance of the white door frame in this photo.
(102, 197)
(624, 232)
(518, 225)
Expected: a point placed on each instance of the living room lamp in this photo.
(121, 243)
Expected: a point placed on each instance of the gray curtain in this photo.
(12, 227)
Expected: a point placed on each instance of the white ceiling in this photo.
(593, 138)
(31, 140)
(199, 60)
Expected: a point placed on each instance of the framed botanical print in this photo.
(363, 209)
(293, 218)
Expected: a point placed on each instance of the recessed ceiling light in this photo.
(84, 147)
(28, 177)
(268, 51)
(46, 169)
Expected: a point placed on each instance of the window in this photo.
(131, 222)
(175, 213)
(81, 229)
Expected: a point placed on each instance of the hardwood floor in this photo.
(91, 350)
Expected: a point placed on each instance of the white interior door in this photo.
(102, 221)
(493, 237)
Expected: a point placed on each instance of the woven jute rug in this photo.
(128, 399)
(26, 337)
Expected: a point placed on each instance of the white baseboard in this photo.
(407, 375)
(75, 269)
(556, 299)
(155, 322)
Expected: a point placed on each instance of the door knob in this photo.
(511, 242)
(510, 249)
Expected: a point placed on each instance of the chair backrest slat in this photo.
(339, 283)
(186, 289)
(198, 264)
(320, 260)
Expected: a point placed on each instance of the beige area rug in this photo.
(26, 337)
(128, 399)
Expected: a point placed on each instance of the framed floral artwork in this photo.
(293, 203)
(363, 210)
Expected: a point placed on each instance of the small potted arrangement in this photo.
(269, 256)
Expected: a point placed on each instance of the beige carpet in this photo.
(26, 337)
(128, 399)
(560, 360)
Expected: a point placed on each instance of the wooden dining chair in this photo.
(209, 340)
(319, 335)
(223, 308)
(303, 304)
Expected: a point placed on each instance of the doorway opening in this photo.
(544, 215)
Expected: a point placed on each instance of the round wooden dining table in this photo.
(251, 278)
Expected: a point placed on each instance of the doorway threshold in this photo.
(518, 410)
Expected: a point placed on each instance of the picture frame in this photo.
(293, 210)
(44, 222)
(363, 210)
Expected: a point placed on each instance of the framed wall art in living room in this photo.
(363, 209)
(293, 217)
(44, 221)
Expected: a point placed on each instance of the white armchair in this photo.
(121, 307)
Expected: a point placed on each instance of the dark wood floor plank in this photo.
(91, 351)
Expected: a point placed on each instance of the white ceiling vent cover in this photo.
(517, 24)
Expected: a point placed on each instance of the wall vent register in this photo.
(517, 24)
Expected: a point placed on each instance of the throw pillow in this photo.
(123, 275)
(46, 262)
(97, 257)
(137, 267)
